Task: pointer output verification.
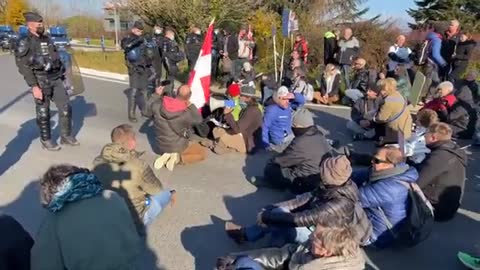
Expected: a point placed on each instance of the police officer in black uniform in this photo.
(193, 45)
(159, 38)
(171, 55)
(143, 60)
(39, 62)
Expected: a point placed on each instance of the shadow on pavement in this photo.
(81, 110)
(147, 129)
(13, 101)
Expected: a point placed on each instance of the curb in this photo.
(104, 75)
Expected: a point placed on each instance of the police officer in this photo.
(193, 45)
(171, 56)
(39, 62)
(158, 38)
(140, 56)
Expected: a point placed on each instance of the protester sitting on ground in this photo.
(121, 169)
(443, 172)
(451, 111)
(394, 113)
(15, 244)
(399, 54)
(86, 227)
(173, 121)
(277, 122)
(466, 92)
(336, 198)
(358, 87)
(240, 136)
(348, 50)
(297, 168)
(363, 112)
(332, 246)
(247, 74)
(330, 83)
(294, 62)
(462, 56)
(300, 86)
(415, 147)
(383, 195)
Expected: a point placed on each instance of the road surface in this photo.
(189, 235)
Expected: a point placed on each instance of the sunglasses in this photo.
(376, 160)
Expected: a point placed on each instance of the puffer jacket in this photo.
(360, 80)
(442, 178)
(299, 257)
(435, 54)
(384, 197)
(348, 50)
(124, 172)
(303, 156)
(173, 123)
(326, 202)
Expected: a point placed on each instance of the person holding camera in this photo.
(39, 62)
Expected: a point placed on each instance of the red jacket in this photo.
(302, 48)
(441, 104)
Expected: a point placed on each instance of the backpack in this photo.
(418, 224)
(307, 91)
(422, 52)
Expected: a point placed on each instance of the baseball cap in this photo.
(283, 93)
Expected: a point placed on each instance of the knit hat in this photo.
(302, 118)
(233, 90)
(335, 171)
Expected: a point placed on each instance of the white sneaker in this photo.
(162, 160)
(174, 159)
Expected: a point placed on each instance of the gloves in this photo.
(226, 263)
(230, 103)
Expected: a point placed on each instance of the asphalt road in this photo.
(190, 235)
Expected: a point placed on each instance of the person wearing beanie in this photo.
(277, 122)
(297, 168)
(239, 137)
(361, 124)
(336, 198)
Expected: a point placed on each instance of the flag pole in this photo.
(282, 61)
(275, 56)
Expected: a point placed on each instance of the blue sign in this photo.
(286, 22)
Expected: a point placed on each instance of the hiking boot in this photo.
(174, 159)
(69, 140)
(161, 161)
(469, 261)
(50, 145)
(236, 232)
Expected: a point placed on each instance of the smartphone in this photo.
(165, 83)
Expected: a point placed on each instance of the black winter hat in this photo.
(32, 17)
(138, 25)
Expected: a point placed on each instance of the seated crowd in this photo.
(96, 217)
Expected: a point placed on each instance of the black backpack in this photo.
(418, 224)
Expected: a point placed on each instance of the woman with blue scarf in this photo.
(86, 227)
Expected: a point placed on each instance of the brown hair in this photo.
(442, 130)
(393, 154)
(122, 133)
(427, 117)
(340, 240)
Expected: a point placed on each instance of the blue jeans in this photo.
(346, 75)
(157, 204)
(247, 263)
(280, 235)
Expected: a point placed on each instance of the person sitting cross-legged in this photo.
(277, 121)
(120, 168)
(240, 134)
(363, 112)
(332, 246)
(443, 172)
(297, 168)
(383, 195)
(292, 221)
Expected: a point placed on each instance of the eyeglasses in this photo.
(376, 160)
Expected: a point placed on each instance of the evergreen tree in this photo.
(466, 11)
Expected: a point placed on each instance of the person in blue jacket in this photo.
(384, 193)
(436, 63)
(277, 122)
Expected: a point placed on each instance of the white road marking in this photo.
(104, 79)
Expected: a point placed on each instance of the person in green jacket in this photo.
(86, 227)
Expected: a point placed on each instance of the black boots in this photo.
(43, 122)
(66, 137)
(132, 106)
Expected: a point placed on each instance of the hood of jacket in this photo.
(434, 36)
(172, 107)
(401, 172)
(449, 99)
(452, 148)
(115, 153)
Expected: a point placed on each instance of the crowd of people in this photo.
(96, 216)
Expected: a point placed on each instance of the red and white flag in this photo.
(199, 80)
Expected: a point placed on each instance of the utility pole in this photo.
(115, 18)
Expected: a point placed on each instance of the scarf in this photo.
(75, 188)
(380, 175)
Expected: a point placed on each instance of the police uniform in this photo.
(171, 55)
(193, 45)
(39, 62)
(141, 57)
